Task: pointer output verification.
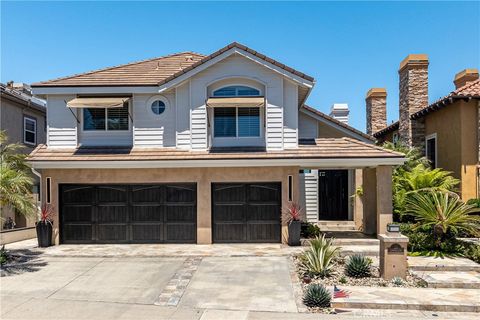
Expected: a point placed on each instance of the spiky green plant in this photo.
(358, 266)
(397, 281)
(443, 212)
(3, 255)
(318, 259)
(317, 295)
(15, 180)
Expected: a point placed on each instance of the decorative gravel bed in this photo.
(339, 278)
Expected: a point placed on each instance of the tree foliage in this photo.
(15, 179)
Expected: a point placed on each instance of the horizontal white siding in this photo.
(151, 130)
(290, 107)
(182, 116)
(311, 196)
(61, 123)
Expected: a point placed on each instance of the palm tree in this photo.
(15, 180)
(443, 212)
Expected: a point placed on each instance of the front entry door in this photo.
(333, 194)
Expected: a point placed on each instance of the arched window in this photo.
(236, 91)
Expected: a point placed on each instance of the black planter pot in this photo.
(294, 228)
(44, 234)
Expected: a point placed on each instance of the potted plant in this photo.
(44, 227)
(293, 214)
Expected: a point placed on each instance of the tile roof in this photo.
(346, 126)
(336, 148)
(23, 98)
(469, 91)
(153, 72)
(141, 73)
(392, 127)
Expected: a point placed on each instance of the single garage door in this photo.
(161, 213)
(246, 212)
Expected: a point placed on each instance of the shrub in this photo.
(444, 213)
(358, 266)
(318, 259)
(472, 252)
(317, 295)
(3, 255)
(474, 202)
(310, 230)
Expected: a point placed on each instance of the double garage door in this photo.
(167, 213)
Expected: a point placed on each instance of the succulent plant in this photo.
(317, 295)
(318, 259)
(358, 266)
(343, 280)
(397, 281)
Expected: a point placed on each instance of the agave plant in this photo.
(318, 259)
(358, 266)
(317, 295)
(443, 212)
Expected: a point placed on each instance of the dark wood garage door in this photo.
(163, 213)
(246, 212)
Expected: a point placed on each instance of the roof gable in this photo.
(320, 116)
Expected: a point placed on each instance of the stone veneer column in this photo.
(376, 102)
(413, 87)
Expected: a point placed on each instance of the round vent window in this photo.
(158, 107)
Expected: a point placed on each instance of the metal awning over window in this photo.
(236, 102)
(98, 102)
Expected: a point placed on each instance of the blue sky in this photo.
(348, 47)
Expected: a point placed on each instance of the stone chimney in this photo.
(413, 88)
(376, 101)
(340, 112)
(465, 77)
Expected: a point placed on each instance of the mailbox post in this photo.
(393, 255)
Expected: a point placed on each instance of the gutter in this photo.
(331, 163)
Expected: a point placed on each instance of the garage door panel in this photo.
(77, 213)
(180, 213)
(112, 194)
(181, 193)
(263, 212)
(79, 232)
(229, 193)
(246, 212)
(264, 232)
(147, 232)
(76, 194)
(147, 194)
(229, 213)
(263, 193)
(112, 214)
(128, 213)
(230, 232)
(112, 232)
(185, 232)
(146, 213)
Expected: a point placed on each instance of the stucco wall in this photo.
(204, 177)
(456, 127)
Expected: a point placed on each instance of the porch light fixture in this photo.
(393, 227)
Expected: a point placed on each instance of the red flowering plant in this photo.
(46, 214)
(293, 212)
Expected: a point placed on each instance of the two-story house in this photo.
(22, 118)
(446, 131)
(201, 149)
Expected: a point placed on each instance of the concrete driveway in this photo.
(184, 283)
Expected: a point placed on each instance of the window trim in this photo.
(93, 132)
(430, 137)
(154, 98)
(236, 91)
(25, 118)
(260, 117)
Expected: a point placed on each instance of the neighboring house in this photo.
(446, 131)
(22, 116)
(197, 149)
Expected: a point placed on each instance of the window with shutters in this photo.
(111, 119)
